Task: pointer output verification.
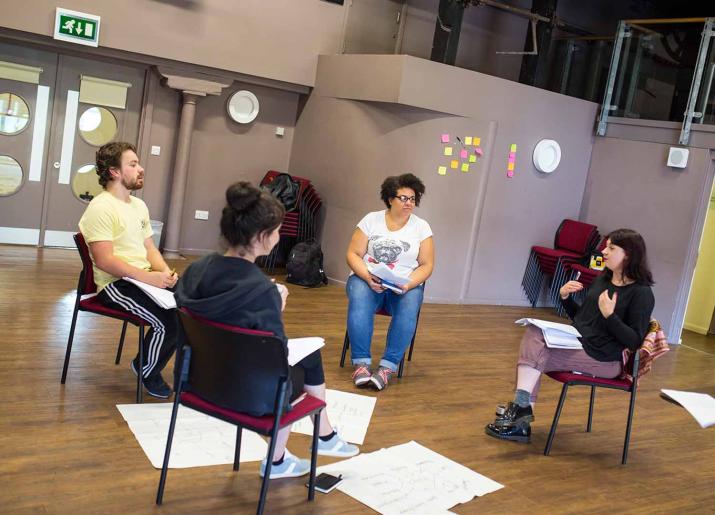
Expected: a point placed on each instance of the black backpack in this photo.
(305, 265)
(285, 189)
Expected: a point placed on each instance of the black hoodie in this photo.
(231, 291)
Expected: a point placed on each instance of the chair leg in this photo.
(631, 409)
(121, 343)
(401, 368)
(69, 342)
(412, 346)
(167, 452)
(590, 409)
(237, 451)
(346, 346)
(552, 432)
(141, 364)
(267, 474)
(313, 456)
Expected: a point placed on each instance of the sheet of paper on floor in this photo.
(199, 440)
(409, 478)
(349, 412)
(700, 405)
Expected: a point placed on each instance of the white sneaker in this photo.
(292, 466)
(337, 447)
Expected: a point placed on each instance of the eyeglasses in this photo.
(405, 198)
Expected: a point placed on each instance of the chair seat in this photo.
(93, 305)
(554, 253)
(570, 377)
(262, 424)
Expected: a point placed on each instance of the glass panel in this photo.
(655, 72)
(10, 175)
(97, 126)
(85, 183)
(706, 104)
(578, 67)
(14, 114)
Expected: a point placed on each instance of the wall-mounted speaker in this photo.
(678, 157)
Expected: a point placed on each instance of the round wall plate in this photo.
(242, 106)
(547, 155)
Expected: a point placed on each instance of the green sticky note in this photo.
(472, 158)
(465, 167)
(513, 147)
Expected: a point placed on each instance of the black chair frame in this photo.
(586, 382)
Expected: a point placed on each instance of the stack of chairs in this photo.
(300, 224)
(573, 242)
(568, 273)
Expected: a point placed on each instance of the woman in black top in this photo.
(614, 316)
(231, 289)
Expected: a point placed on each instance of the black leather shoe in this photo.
(514, 415)
(516, 433)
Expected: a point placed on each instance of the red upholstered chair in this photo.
(223, 370)
(87, 289)
(567, 271)
(628, 382)
(572, 242)
(346, 344)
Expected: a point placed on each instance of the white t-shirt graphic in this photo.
(396, 249)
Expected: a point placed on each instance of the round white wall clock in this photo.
(242, 106)
(547, 155)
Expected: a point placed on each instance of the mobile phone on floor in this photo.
(326, 482)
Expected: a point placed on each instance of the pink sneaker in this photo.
(361, 375)
(381, 377)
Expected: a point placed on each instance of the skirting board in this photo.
(696, 328)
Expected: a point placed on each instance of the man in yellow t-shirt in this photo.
(116, 227)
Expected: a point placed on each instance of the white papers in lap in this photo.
(199, 440)
(163, 298)
(350, 413)
(700, 405)
(298, 348)
(556, 336)
(409, 478)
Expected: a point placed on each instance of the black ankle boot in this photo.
(514, 415)
(515, 433)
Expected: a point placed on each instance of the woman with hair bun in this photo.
(231, 289)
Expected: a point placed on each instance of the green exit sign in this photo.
(76, 27)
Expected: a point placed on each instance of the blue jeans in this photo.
(363, 302)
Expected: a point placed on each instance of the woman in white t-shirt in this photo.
(398, 239)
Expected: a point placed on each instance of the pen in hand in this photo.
(578, 274)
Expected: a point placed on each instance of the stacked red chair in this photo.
(567, 272)
(301, 223)
(574, 241)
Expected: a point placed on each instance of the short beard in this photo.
(133, 186)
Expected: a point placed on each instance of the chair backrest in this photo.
(639, 363)
(575, 236)
(86, 278)
(233, 367)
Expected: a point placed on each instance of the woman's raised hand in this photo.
(569, 288)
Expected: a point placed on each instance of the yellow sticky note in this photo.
(465, 167)
(454, 164)
(510, 166)
(468, 140)
(513, 147)
(477, 141)
(442, 170)
(447, 151)
(472, 158)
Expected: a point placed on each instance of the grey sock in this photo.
(522, 398)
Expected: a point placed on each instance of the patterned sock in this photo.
(521, 398)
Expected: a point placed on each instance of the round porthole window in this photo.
(85, 183)
(14, 114)
(10, 176)
(97, 126)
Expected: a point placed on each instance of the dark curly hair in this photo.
(636, 265)
(393, 183)
(249, 212)
(110, 156)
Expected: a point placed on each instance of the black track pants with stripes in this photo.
(160, 339)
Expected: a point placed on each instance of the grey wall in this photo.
(484, 223)
(629, 185)
(276, 39)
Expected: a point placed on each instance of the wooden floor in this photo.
(66, 449)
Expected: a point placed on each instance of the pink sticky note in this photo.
(510, 174)
(445, 138)
(463, 154)
(478, 151)
(512, 160)
(512, 155)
